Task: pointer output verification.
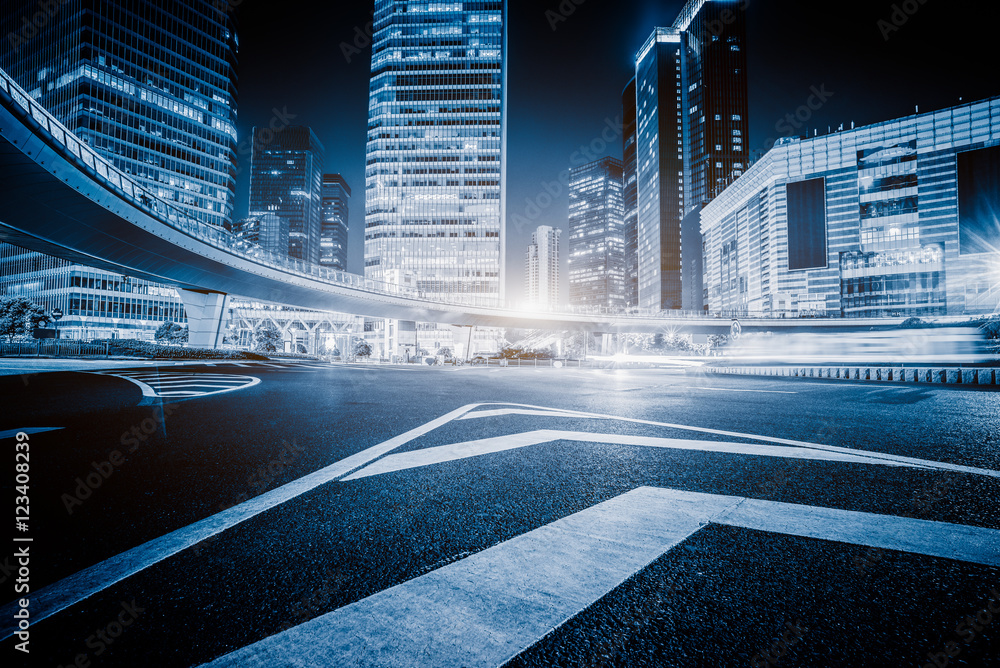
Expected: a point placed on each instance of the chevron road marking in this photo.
(73, 589)
(181, 384)
(489, 607)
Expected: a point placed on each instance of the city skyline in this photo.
(792, 57)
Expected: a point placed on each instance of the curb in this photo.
(988, 377)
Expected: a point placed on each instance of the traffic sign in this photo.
(736, 330)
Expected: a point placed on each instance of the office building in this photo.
(630, 195)
(541, 268)
(691, 125)
(334, 225)
(436, 148)
(267, 230)
(596, 235)
(893, 219)
(286, 179)
(161, 110)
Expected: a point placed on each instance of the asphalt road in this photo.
(549, 537)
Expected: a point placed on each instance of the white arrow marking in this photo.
(454, 451)
(487, 608)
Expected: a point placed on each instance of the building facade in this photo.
(163, 111)
(541, 268)
(267, 230)
(286, 179)
(434, 183)
(596, 235)
(630, 193)
(894, 219)
(691, 125)
(334, 227)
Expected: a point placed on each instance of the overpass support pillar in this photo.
(207, 315)
(606, 344)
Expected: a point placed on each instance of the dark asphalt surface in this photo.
(716, 600)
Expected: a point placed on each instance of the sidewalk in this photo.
(15, 366)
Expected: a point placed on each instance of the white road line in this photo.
(782, 441)
(728, 389)
(153, 384)
(446, 453)
(28, 430)
(489, 607)
(60, 595)
(552, 412)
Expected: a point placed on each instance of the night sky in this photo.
(564, 84)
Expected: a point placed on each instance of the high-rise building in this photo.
(286, 179)
(691, 108)
(896, 219)
(630, 195)
(541, 268)
(596, 235)
(434, 184)
(333, 228)
(267, 230)
(162, 110)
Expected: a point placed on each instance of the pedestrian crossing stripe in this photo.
(181, 385)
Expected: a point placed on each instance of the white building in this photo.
(541, 268)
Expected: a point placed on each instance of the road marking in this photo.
(69, 591)
(28, 430)
(487, 608)
(729, 389)
(455, 451)
(782, 441)
(168, 383)
(75, 588)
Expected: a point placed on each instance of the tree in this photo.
(266, 337)
(20, 316)
(444, 352)
(171, 332)
(362, 348)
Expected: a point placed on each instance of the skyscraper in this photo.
(541, 268)
(333, 228)
(434, 184)
(267, 230)
(596, 235)
(286, 179)
(691, 111)
(162, 110)
(630, 195)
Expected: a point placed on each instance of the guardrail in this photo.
(53, 348)
(986, 376)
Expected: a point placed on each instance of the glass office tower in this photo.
(334, 228)
(691, 118)
(152, 88)
(596, 235)
(630, 195)
(541, 268)
(434, 183)
(286, 179)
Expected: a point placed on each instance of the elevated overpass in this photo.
(61, 198)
